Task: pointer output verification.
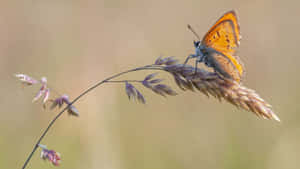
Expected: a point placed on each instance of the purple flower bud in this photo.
(155, 81)
(140, 97)
(50, 155)
(159, 61)
(73, 111)
(149, 77)
(64, 99)
(130, 90)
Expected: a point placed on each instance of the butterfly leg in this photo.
(188, 58)
(200, 58)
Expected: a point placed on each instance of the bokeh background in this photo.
(77, 43)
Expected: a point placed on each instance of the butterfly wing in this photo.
(224, 37)
(223, 65)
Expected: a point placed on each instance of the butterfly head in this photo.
(196, 44)
(198, 48)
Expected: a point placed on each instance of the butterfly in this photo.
(218, 48)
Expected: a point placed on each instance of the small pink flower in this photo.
(43, 91)
(46, 95)
(26, 80)
(39, 94)
(50, 155)
(65, 99)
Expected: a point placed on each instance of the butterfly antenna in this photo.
(192, 30)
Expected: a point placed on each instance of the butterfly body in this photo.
(218, 48)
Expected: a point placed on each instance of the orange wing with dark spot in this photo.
(224, 37)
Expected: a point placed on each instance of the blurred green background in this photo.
(77, 43)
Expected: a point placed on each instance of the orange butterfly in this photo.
(218, 47)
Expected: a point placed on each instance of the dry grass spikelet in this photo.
(210, 83)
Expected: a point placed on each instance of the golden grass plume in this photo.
(210, 83)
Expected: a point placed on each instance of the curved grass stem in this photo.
(148, 67)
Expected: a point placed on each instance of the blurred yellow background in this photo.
(77, 43)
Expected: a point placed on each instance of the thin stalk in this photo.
(148, 67)
(123, 81)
